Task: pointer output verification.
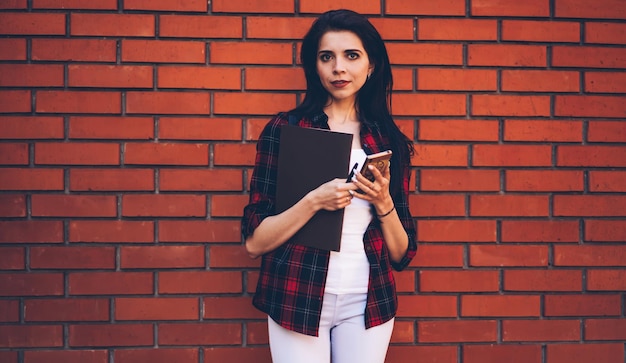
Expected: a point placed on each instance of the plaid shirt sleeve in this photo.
(402, 206)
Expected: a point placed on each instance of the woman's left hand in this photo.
(376, 192)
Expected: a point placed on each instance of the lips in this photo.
(340, 83)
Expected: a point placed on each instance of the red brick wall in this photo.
(127, 134)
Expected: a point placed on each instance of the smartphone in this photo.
(380, 161)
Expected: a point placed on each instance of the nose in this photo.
(339, 66)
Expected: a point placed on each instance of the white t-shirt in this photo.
(348, 269)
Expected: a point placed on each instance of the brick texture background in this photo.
(128, 133)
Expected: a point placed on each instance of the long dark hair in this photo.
(373, 102)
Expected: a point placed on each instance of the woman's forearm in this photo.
(395, 236)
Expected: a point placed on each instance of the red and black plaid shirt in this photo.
(292, 277)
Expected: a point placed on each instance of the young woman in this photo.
(323, 304)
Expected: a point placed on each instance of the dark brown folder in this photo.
(307, 159)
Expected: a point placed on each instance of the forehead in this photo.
(339, 40)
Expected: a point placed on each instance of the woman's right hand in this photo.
(333, 195)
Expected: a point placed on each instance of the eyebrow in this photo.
(345, 51)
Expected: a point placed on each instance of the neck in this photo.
(341, 112)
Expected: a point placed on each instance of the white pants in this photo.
(342, 336)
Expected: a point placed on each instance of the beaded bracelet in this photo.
(386, 214)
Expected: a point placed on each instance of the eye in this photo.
(353, 55)
(325, 57)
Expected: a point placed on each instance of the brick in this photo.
(589, 205)
(544, 180)
(317, 6)
(197, 26)
(509, 205)
(274, 79)
(14, 154)
(31, 284)
(9, 311)
(60, 205)
(540, 31)
(511, 155)
(200, 128)
(606, 280)
(430, 79)
(584, 353)
(605, 230)
(57, 310)
(116, 335)
(166, 154)
(163, 205)
(32, 23)
(129, 308)
(199, 282)
(457, 29)
(588, 255)
(458, 281)
(405, 281)
(256, 333)
(412, 104)
(605, 33)
(165, 5)
(12, 205)
(77, 50)
(403, 332)
(250, 53)
(162, 257)
(425, 54)
(222, 354)
(75, 4)
(200, 231)
(111, 231)
(591, 156)
(607, 181)
(200, 334)
(111, 128)
(163, 51)
(538, 8)
(278, 27)
(15, 101)
(232, 256)
(199, 77)
(66, 356)
(12, 258)
(230, 308)
(496, 255)
(582, 305)
(115, 25)
(394, 29)
(604, 82)
(14, 4)
(588, 57)
(540, 81)
(438, 256)
(200, 180)
(606, 9)
(31, 179)
(255, 6)
(228, 205)
(110, 283)
(510, 105)
(253, 128)
(541, 330)
(457, 331)
(437, 205)
(413, 306)
(543, 130)
(31, 75)
(78, 102)
(543, 280)
(459, 180)
(500, 305)
(234, 154)
(77, 153)
(444, 7)
(402, 79)
(252, 103)
(605, 329)
(160, 355)
(168, 102)
(12, 49)
(540, 231)
(23, 231)
(506, 55)
(110, 76)
(31, 127)
(111, 180)
(456, 231)
(72, 257)
(458, 130)
(31, 336)
(496, 353)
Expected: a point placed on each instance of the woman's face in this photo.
(342, 64)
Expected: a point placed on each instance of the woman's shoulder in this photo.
(272, 127)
